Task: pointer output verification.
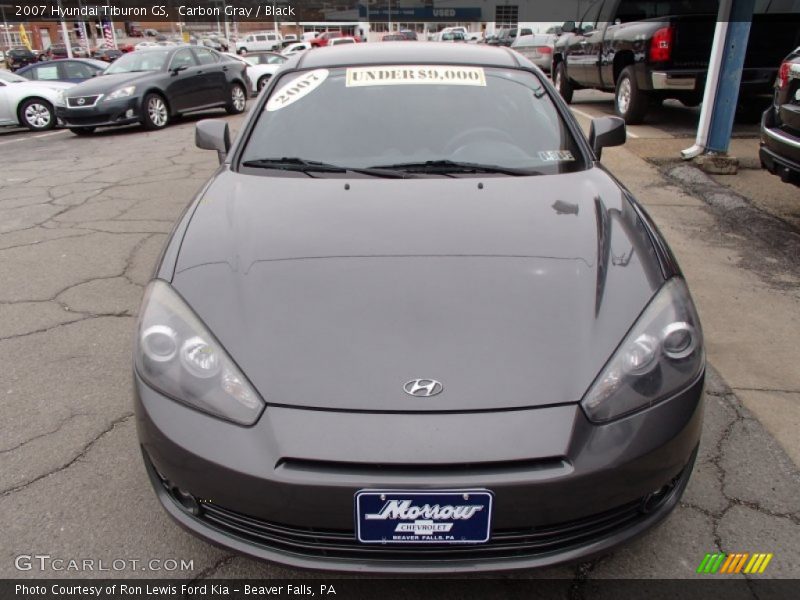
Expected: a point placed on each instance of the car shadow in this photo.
(670, 116)
(125, 130)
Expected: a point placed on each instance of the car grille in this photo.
(503, 543)
(82, 101)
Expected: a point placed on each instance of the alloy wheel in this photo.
(624, 96)
(38, 115)
(157, 111)
(237, 95)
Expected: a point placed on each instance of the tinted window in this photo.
(76, 70)
(510, 121)
(205, 57)
(261, 38)
(590, 17)
(182, 58)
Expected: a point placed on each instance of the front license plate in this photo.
(423, 517)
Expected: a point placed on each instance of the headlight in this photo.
(121, 93)
(61, 98)
(177, 355)
(661, 355)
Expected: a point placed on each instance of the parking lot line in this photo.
(590, 117)
(32, 137)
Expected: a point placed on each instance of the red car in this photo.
(323, 38)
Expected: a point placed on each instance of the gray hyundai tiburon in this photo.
(411, 324)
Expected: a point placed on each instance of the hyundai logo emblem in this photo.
(423, 388)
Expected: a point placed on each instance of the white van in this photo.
(259, 42)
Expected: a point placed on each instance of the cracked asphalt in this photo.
(82, 223)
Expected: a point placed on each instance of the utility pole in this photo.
(722, 86)
(65, 34)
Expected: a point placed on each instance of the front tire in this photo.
(237, 101)
(562, 83)
(262, 82)
(37, 114)
(82, 130)
(155, 114)
(630, 102)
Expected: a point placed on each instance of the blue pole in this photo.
(724, 109)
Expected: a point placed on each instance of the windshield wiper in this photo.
(451, 166)
(293, 163)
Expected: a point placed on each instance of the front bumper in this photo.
(283, 490)
(105, 113)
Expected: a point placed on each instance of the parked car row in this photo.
(272, 41)
(154, 86)
(645, 56)
(150, 87)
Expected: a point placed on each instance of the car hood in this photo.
(514, 295)
(103, 84)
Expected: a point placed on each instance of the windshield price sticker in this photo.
(297, 89)
(415, 75)
(556, 156)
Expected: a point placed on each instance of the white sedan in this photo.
(28, 103)
(261, 66)
(296, 48)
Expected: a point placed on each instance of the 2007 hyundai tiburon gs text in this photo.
(411, 324)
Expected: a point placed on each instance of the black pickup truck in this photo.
(646, 51)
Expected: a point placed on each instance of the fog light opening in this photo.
(654, 500)
(186, 500)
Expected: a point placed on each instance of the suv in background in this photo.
(16, 58)
(266, 41)
(780, 125)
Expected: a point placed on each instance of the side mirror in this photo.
(213, 134)
(568, 27)
(606, 132)
(178, 69)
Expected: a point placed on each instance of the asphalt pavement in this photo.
(82, 222)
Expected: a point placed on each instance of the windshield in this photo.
(141, 60)
(387, 116)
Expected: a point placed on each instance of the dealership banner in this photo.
(409, 588)
(295, 11)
